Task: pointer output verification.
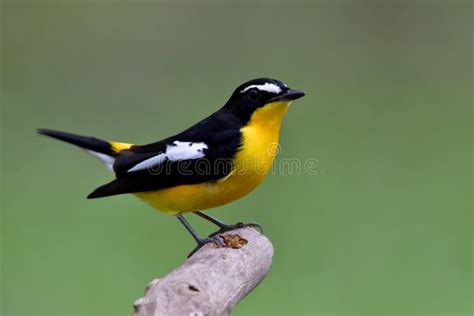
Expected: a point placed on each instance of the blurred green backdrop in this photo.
(384, 228)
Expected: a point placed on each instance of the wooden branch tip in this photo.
(213, 280)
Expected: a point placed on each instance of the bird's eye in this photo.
(254, 95)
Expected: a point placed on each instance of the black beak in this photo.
(289, 95)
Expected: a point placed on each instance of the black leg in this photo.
(225, 227)
(213, 220)
(188, 227)
(200, 242)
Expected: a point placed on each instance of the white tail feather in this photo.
(106, 159)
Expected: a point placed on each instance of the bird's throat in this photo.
(260, 139)
(269, 117)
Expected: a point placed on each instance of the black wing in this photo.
(200, 154)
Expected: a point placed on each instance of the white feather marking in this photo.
(107, 160)
(268, 87)
(148, 163)
(175, 152)
(185, 150)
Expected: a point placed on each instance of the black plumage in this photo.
(220, 132)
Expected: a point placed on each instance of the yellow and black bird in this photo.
(214, 162)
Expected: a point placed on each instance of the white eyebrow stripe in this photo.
(268, 87)
(174, 152)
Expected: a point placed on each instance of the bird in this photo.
(216, 161)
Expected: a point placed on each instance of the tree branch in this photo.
(213, 280)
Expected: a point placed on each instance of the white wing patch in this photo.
(174, 152)
(268, 87)
(107, 160)
(148, 163)
(185, 150)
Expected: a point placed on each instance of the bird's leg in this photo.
(223, 226)
(200, 242)
(226, 227)
(189, 228)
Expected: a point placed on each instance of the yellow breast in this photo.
(251, 164)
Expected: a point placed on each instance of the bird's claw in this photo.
(217, 240)
(227, 228)
(212, 239)
(251, 224)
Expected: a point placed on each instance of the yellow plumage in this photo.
(251, 164)
(118, 147)
(246, 130)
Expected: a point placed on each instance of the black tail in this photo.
(90, 143)
(112, 188)
(97, 147)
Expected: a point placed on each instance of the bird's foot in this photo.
(226, 228)
(218, 240)
(209, 240)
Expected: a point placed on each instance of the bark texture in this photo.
(213, 280)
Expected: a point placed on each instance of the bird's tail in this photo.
(104, 150)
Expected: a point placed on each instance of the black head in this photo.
(256, 93)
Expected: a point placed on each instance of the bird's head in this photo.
(269, 97)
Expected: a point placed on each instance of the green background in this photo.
(383, 228)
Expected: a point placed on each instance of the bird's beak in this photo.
(289, 95)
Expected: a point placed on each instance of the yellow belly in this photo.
(252, 163)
